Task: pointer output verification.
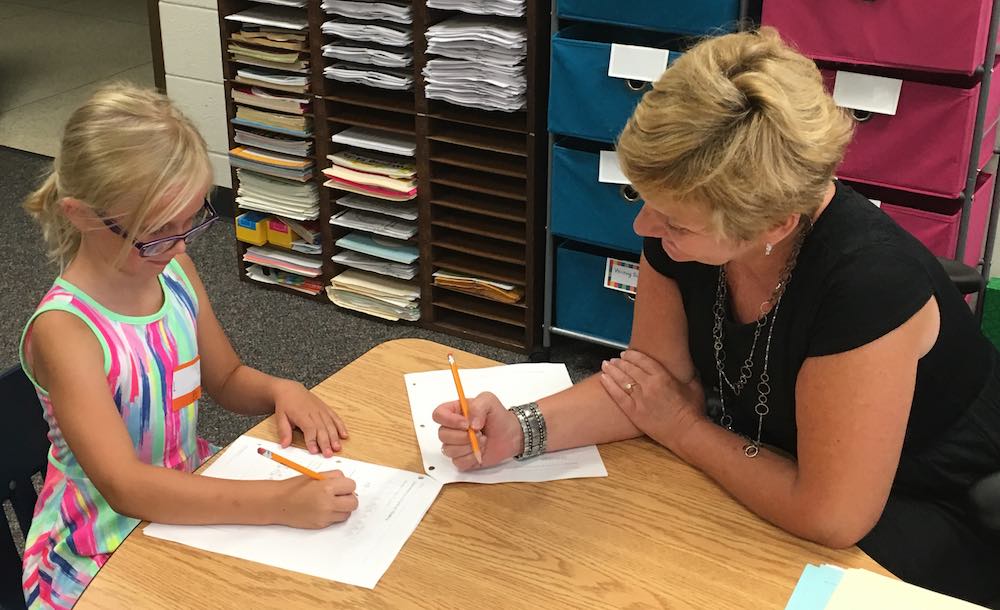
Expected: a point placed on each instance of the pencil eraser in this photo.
(261, 450)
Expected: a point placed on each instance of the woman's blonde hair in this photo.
(740, 123)
(131, 156)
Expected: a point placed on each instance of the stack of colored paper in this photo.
(268, 275)
(829, 587)
(271, 163)
(373, 175)
(284, 260)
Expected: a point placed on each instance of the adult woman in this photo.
(789, 339)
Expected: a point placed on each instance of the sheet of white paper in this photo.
(637, 63)
(609, 170)
(866, 92)
(391, 503)
(513, 384)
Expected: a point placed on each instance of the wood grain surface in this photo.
(655, 533)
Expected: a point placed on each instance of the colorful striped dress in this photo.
(153, 375)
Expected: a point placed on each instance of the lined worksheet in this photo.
(391, 503)
(514, 384)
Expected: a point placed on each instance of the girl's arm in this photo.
(66, 359)
(245, 390)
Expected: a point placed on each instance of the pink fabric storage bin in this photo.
(925, 146)
(938, 230)
(918, 35)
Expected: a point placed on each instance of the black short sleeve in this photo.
(658, 259)
(868, 294)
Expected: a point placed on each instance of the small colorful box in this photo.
(279, 233)
(251, 228)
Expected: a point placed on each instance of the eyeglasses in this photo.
(204, 219)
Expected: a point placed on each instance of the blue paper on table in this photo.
(815, 587)
(383, 247)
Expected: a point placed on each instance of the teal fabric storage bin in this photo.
(584, 101)
(676, 16)
(587, 210)
(583, 304)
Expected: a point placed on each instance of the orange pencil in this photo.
(465, 409)
(287, 462)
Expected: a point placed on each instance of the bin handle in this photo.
(630, 297)
(635, 85)
(629, 194)
(862, 116)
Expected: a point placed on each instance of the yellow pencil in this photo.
(287, 462)
(465, 409)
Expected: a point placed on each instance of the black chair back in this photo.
(24, 446)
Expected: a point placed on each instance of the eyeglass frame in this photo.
(143, 247)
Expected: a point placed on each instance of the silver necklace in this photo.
(769, 313)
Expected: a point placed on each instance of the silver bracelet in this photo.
(533, 428)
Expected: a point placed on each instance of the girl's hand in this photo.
(656, 402)
(310, 504)
(297, 407)
(497, 430)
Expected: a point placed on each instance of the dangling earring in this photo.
(767, 249)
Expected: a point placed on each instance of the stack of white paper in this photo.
(378, 140)
(390, 35)
(377, 295)
(391, 503)
(295, 3)
(296, 200)
(287, 17)
(383, 78)
(286, 261)
(506, 8)
(375, 223)
(485, 65)
(398, 12)
(403, 209)
(368, 53)
(357, 260)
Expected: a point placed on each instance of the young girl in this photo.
(121, 346)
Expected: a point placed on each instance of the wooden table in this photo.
(654, 533)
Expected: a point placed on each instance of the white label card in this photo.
(637, 63)
(609, 171)
(866, 92)
(876, 202)
(621, 275)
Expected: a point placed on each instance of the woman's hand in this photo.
(297, 407)
(309, 504)
(497, 431)
(654, 400)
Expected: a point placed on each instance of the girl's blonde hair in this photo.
(740, 123)
(131, 156)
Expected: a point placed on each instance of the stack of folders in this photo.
(505, 8)
(377, 174)
(481, 64)
(292, 262)
(373, 44)
(377, 295)
(268, 275)
(488, 289)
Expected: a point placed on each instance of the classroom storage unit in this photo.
(604, 57)
(479, 174)
(918, 79)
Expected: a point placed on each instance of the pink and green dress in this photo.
(153, 375)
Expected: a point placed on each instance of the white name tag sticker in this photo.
(621, 275)
(187, 384)
(637, 63)
(866, 92)
(609, 171)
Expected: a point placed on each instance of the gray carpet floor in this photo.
(278, 333)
